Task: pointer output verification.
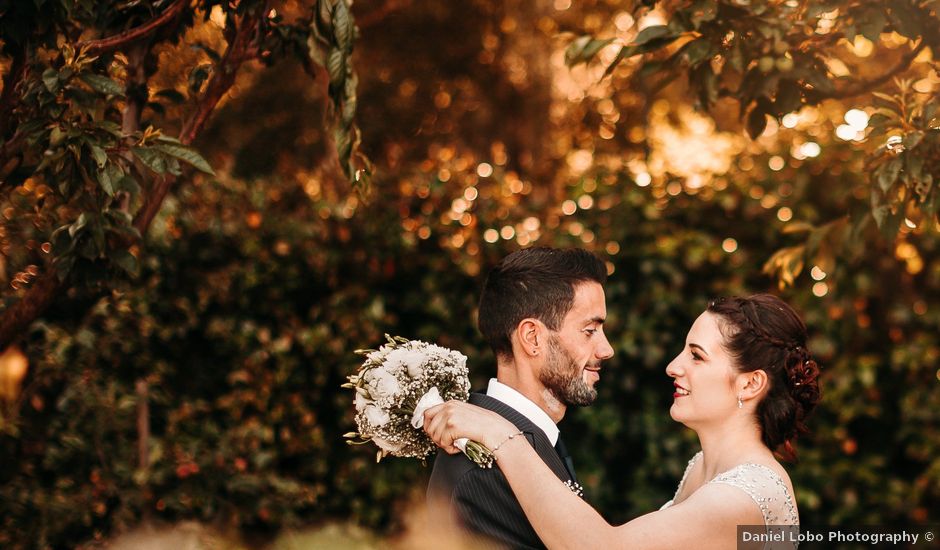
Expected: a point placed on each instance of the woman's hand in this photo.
(454, 419)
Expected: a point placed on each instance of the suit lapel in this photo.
(534, 434)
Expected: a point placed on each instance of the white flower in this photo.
(382, 384)
(386, 445)
(376, 416)
(412, 360)
(361, 402)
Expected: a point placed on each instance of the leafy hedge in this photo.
(243, 332)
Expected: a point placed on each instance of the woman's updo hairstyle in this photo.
(762, 332)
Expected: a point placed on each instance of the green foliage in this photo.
(247, 415)
(259, 282)
(773, 58)
(904, 168)
(87, 153)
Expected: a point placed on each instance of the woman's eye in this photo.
(696, 356)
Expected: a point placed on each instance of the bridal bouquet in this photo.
(395, 385)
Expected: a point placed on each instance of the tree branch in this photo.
(864, 86)
(219, 83)
(103, 45)
(137, 96)
(47, 286)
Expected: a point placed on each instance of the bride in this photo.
(744, 382)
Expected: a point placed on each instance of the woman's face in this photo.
(703, 376)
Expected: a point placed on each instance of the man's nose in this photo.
(605, 351)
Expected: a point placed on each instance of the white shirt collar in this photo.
(524, 406)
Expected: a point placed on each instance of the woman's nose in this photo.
(673, 369)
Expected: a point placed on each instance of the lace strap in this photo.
(766, 489)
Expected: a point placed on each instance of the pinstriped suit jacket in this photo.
(481, 498)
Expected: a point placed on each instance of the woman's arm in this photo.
(707, 519)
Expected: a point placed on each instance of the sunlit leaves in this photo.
(786, 264)
(774, 59)
(583, 49)
(905, 145)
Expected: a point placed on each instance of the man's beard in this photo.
(562, 377)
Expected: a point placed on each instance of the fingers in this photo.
(452, 420)
(432, 412)
(434, 426)
(439, 425)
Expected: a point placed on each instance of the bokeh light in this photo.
(846, 132)
(857, 119)
(810, 149)
(484, 169)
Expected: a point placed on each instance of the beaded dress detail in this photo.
(763, 485)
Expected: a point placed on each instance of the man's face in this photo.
(575, 352)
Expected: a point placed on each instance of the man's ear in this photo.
(530, 334)
(752, 384)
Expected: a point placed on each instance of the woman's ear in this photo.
(530, 335)
(752, 384)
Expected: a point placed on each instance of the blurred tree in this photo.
(773, 59)
(93, 91)
(260, 281)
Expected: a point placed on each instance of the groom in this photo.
(542, 311)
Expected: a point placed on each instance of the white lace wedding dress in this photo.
(766, 489)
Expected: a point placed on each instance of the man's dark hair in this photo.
(534, 282)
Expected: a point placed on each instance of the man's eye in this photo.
(590, 331)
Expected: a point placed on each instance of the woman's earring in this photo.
(740, 402)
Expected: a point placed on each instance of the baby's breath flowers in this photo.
(395, 385)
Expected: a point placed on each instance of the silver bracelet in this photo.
(501, 443)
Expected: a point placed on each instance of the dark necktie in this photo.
(566, 458)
